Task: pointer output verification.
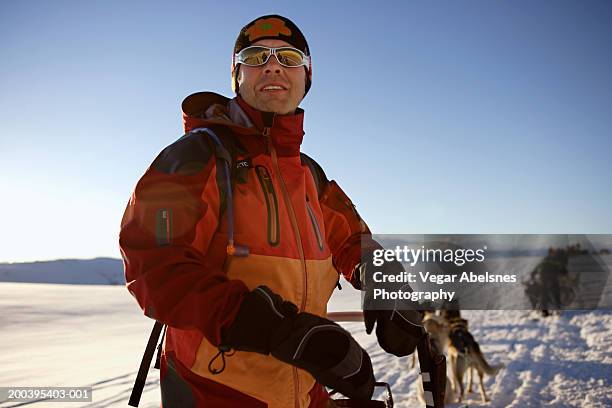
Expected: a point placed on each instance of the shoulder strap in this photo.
(225, 147)
(145, 364)
(228, 150)
(316, 171)
(226, 171)
(229, 143)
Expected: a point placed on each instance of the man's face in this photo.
(255, 82)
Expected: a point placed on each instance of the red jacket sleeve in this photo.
(165, 235)
(347, 233)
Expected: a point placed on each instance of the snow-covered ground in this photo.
(81, 335)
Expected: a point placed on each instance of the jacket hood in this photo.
(203, 109)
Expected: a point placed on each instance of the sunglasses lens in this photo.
(254, 56)
(257, 56)
(290, 57)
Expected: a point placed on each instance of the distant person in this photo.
(546, 277)
(236, 240)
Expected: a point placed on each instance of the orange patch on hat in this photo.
(267, 27)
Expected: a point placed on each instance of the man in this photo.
(242, 253)
(546, 291)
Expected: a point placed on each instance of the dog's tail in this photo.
(479, 359)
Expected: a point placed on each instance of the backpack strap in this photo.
(226, 160)
(143, 370)
(316, 171)
(225, 147)
(159, 348)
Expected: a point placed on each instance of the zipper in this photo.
(271, 204)
(297, 387)
(315, 224)
(298, 238)
(292, 216)
(163, 226)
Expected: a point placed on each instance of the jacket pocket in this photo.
(315, 223)
(271, 204)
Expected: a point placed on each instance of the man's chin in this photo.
(278, 107)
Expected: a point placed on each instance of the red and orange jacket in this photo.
(173, 242)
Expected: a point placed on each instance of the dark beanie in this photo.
(270, 27)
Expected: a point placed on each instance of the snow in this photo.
(94, 335)
(560, 361)
(73, 335)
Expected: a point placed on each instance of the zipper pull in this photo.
(267, 179)
(268, 120)
(268, 139)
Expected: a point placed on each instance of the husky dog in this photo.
(465, 355)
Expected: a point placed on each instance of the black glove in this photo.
(398, 330)
(264, 319)
(267, 324)
(330, 354)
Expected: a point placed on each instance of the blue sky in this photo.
(435, 117)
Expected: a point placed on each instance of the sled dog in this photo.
(465, 356)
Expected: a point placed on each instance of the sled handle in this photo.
(349, 316)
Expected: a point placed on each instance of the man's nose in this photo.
(273, 65)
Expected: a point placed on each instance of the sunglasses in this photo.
(257, 55)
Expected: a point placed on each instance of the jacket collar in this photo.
(286, 131)
(204, 109)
